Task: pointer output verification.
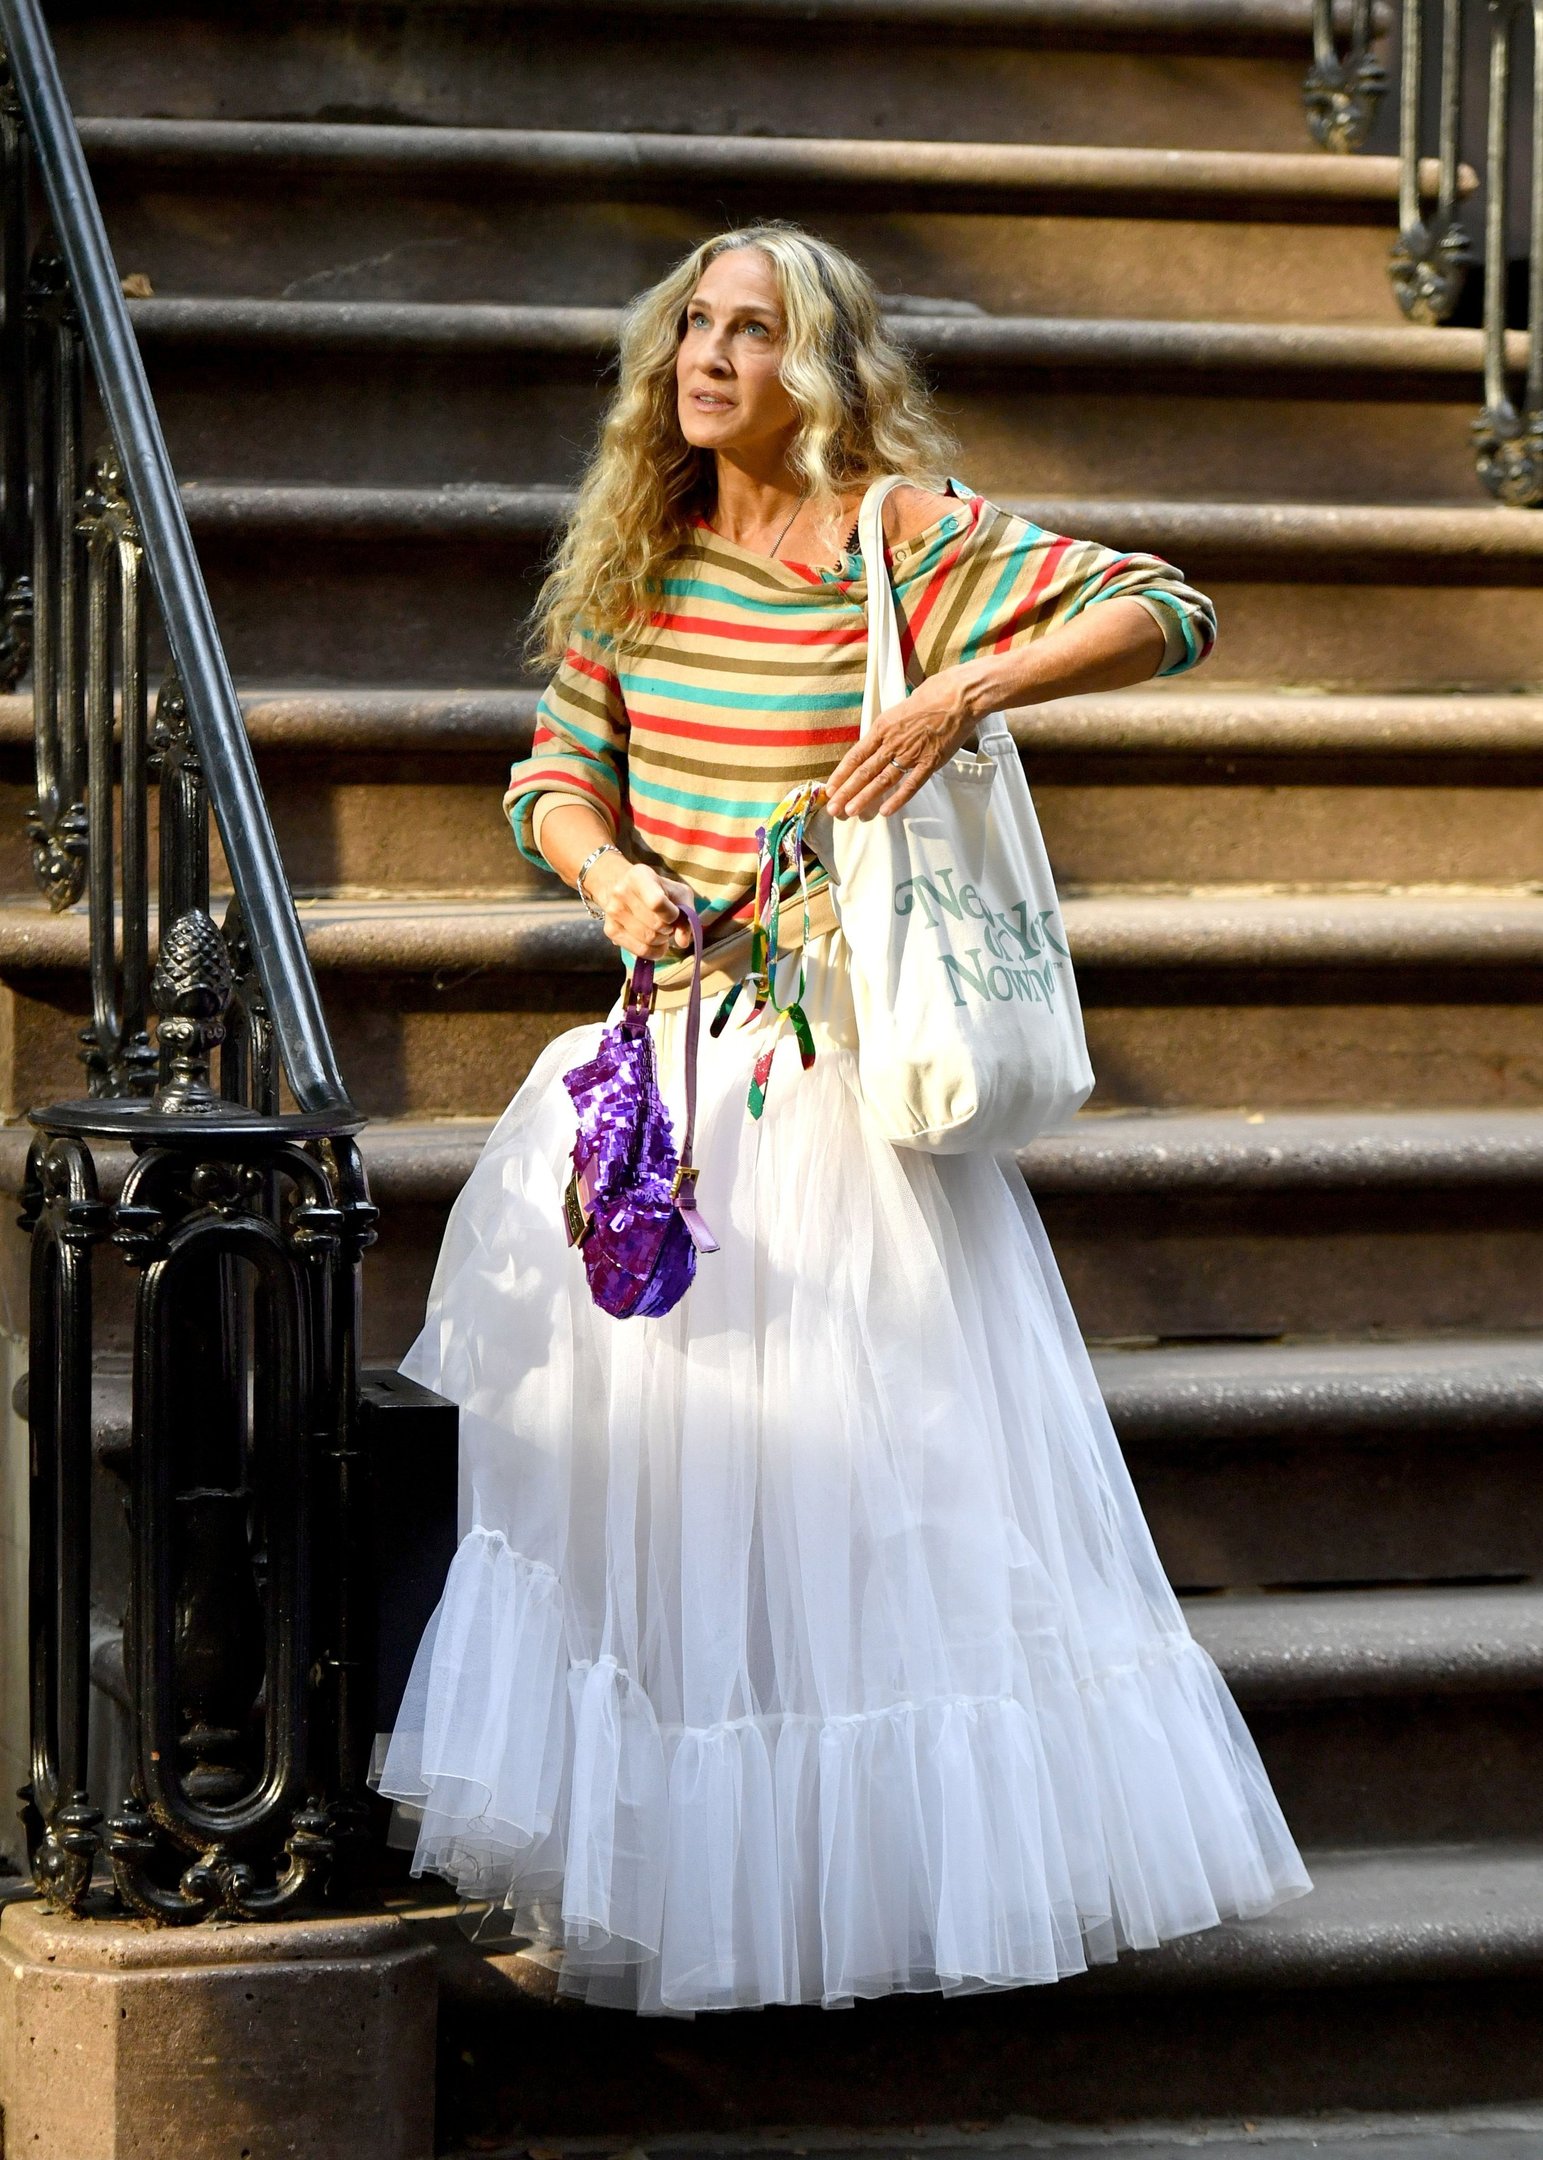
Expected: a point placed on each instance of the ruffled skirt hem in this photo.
(957, 1844)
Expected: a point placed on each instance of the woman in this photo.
(806, 1642)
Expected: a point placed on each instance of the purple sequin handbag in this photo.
(630, 1205)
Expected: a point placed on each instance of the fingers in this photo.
(875, 780)
(642, 915)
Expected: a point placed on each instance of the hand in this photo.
(643, 912)
(921, 735)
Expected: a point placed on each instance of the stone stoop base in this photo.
(123, 2041)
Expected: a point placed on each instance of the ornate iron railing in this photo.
(248, 1661)
(1434, 251)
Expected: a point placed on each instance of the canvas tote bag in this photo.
(969, 1026)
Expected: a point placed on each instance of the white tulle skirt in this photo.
(808, 1642)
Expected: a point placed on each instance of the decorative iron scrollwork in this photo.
(191, 988)
(1343, 89)
(1509, 449)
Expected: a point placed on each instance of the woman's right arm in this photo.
(641, 910)
(566, 799)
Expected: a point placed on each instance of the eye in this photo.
(695, 319)
(756, 329)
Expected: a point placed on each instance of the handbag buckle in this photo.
(578, 1220)
(686, 1174)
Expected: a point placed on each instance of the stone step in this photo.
(297, 210)
(1406, 1714)
(1505, 2133)
(1071, 70)
(1410, 1977)
(347, 586)
(1200, 1229)
(386, 393)
(401, 789)
(1279, 999)
(1309, 1462)
(1205, 1226)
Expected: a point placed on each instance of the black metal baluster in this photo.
(57, 825)
(15, 535)
(1508, 441)
(1430, 259)
(64, 1212)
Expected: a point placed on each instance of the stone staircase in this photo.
(386, 242)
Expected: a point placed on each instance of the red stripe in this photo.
(666, 725)
(1024, 611)
(912, 618)
(591, 668)
(852, 633)
(693, 835)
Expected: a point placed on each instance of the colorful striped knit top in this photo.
(750, 679)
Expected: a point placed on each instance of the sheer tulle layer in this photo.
(807, 1642)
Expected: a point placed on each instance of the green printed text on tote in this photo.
(1022, 950)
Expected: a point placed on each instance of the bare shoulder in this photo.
(909, 510)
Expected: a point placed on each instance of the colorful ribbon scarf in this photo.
(779, 840)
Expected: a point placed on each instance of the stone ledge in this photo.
(971, 340)
(1136, 182)
(1222, 928)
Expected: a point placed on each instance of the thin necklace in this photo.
(786, 528)
(789, 525)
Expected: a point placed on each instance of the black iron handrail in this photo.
(247, 1633)
(213, 710)
(1431, 258)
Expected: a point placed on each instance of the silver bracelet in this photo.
(606, 847)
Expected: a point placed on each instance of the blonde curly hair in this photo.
(864, 408)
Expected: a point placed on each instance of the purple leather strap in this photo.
(635, 1010)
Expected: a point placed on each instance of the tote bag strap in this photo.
(885, 684)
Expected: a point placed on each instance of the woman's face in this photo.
(728, 391)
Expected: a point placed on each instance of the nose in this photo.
(715, 357)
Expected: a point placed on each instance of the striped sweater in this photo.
(750, 679)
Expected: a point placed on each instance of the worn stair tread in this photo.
(1175, 721)
(1251, 1395)
(1221, 928)
(1314, 1645)
(1141, 182)
(1377, 1916)
(418, 1162)
(972, 338)
(1307, 538)
(1498, 2133)
(1104, 21)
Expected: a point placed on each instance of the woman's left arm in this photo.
(1108, 647)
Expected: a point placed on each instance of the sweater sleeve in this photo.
(579, 750)
(996, 581)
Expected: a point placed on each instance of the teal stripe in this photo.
(720, 806)
(562, 726)
(1183, 616)
(987, 626)
(741, 700)
(797, 603)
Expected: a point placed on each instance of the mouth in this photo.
(709, 401)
